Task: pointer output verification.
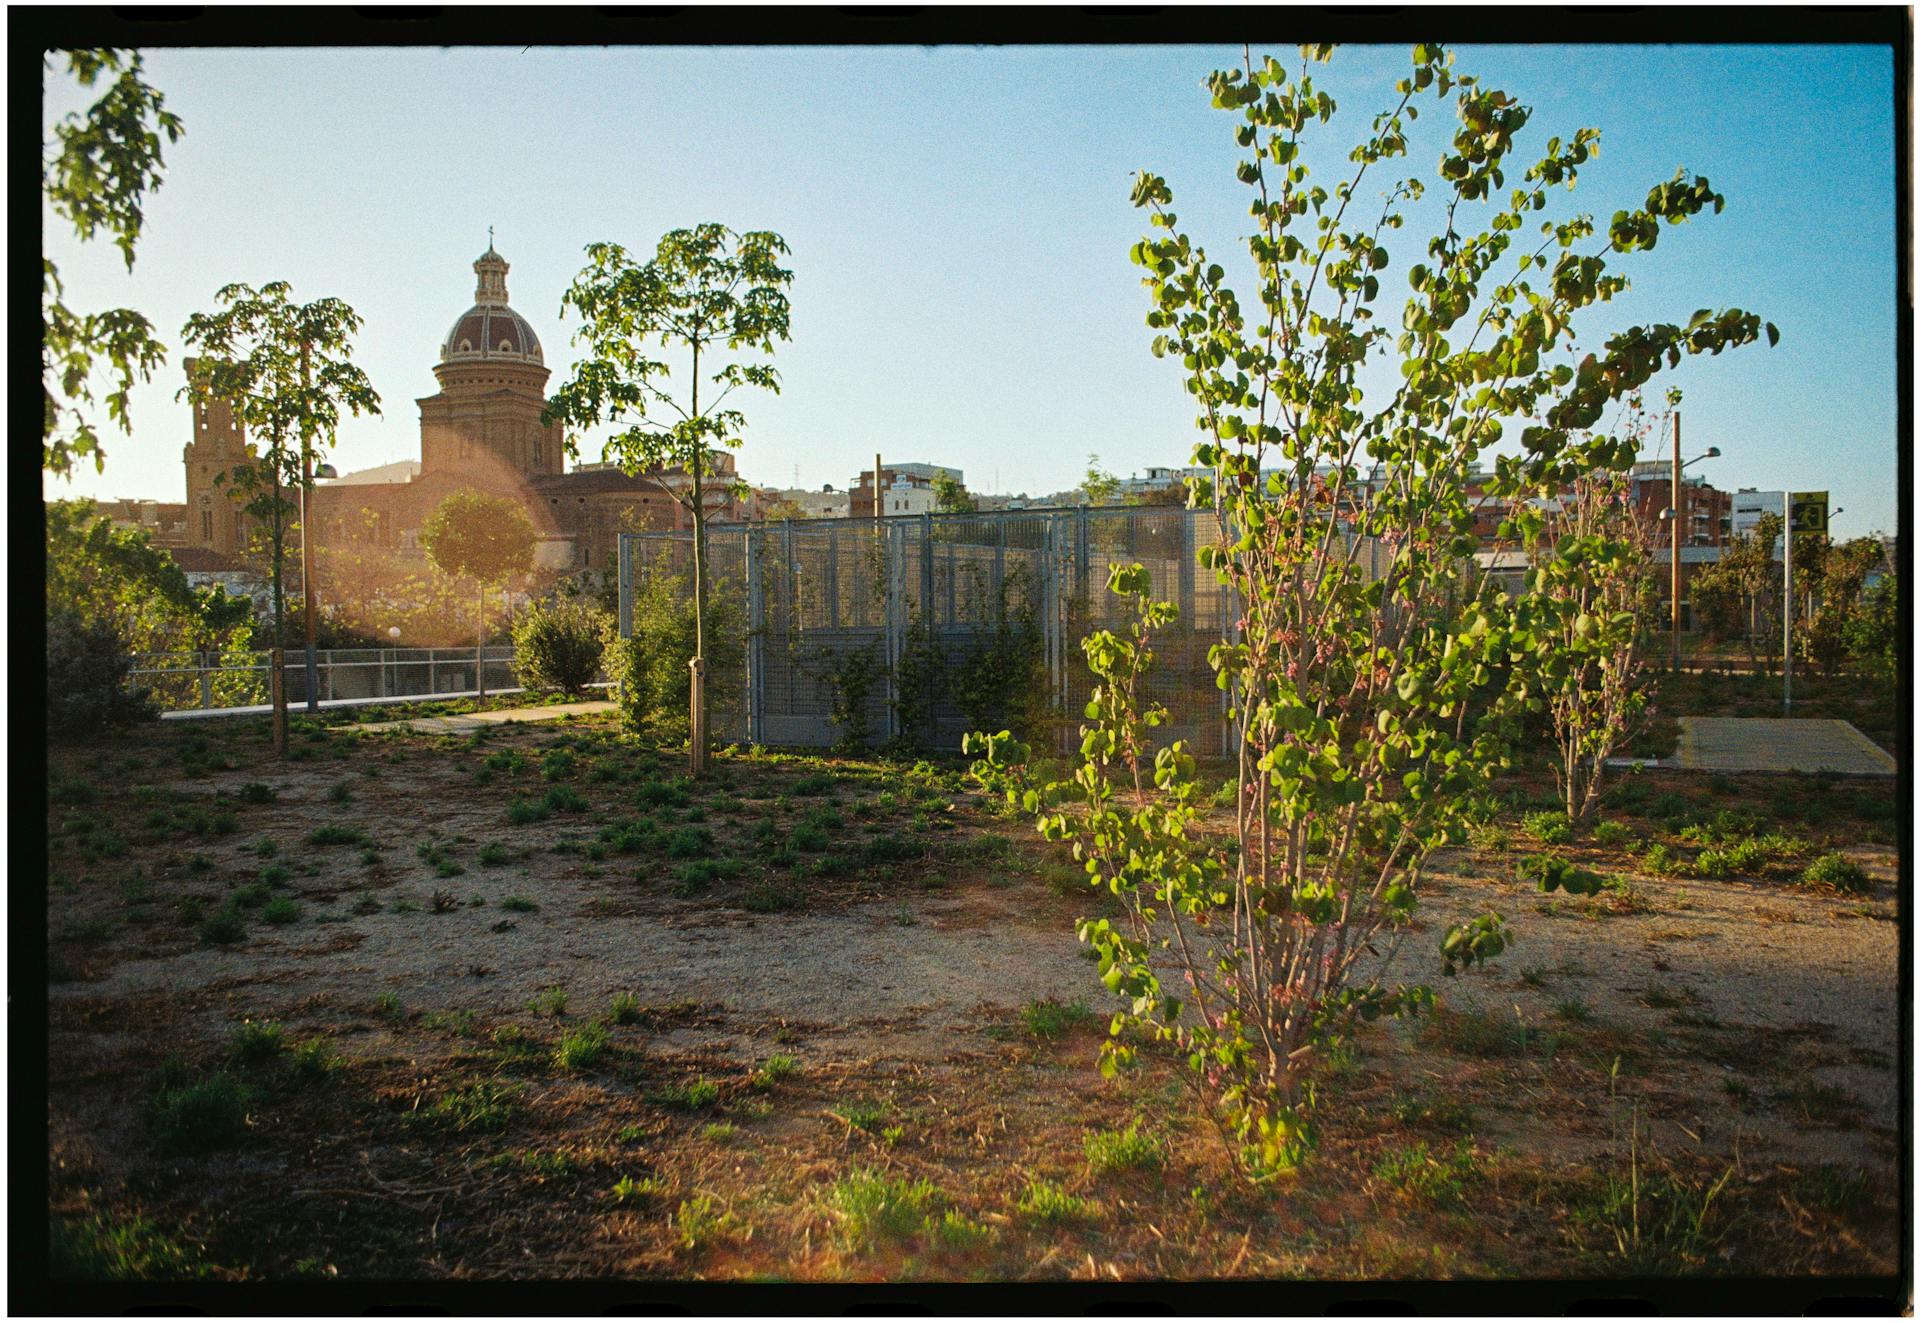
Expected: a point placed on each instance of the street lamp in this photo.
(1677, 514)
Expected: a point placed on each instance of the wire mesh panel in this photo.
(928, 626)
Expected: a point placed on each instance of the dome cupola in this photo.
(490, 330)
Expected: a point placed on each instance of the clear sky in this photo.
(960, 225)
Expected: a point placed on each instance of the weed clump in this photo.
(1836, 872)
(192, 1118)
(258, 1040)
(1110, 1151)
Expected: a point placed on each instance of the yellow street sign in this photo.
(1809, 512)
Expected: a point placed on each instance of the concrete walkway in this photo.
(1778, 744)
(467, 721)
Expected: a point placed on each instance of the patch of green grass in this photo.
(1573, 1010)
(872, 1210)
(550, 1000)
(771, 1071)
(1418, 1172)
(953, 1232)
(689, 843)
(458, 1023)
(1436, 1113)
(334, 834)
(557, 765)
(625, 1009)
(387, 1006)
(815, 785)
(697, 875)
(1478, 1034)
(281, 910)
(1049, 1019)
(252, 896)
(224, 927)
(314, 1059)
(192, 1118)
(627, 1191)
(106, 1248)
(256, 792)
(1834, 1189)
(810, 838)
(259, 1040)
(518, 904)
(493, 855)
(1112, 1151)
(1612, 833)
(486, 1105)
(1046, 1203)
(688, 1095)
(1836, 872)
(582, 1048)
(1548, 826)
(702, 1220)
(276, 875)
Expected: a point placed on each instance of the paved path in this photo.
(475, 720)
(1778, 744)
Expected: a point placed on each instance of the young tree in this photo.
(1873, 633)
(1838, 580)
(714, 296)
(1586, 593)
(487, 540)
(1738, 596)
(949, 497)
(287, 369)
(96, 174)
(1099, 486)
(1362, 725)
(115, 579)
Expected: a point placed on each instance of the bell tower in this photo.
(215, 519)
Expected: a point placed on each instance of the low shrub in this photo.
(191, 1118)
(582, 1047)
(281, 909)
(1049, 1204)
(1548, 826)
(1611, 833)
(1837, 872)
(88, 677)
(560, 646)
(873, 1209)
(1050, 1019)
(224, 927)
(690, 1096)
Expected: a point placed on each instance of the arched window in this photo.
(466, 346)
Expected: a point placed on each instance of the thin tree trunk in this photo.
(697, 716)
(277, 689)
(480, 647)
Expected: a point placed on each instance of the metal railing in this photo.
(199, 681)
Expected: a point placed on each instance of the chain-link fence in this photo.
(928, 626)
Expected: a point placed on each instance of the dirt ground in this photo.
(577, 1018)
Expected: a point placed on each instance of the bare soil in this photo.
(912, 952)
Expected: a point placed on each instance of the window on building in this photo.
(206, 524)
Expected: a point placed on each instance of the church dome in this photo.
(490, 331)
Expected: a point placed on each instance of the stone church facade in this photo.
(482, 431)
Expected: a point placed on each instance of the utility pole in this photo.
(1679, 522)
(306, 535)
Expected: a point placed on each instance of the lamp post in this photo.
(1676, 512)
(308, 472)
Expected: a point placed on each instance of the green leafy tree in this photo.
(1739, 595)
(287, 370)
(1099, 486)
(115, 579)
(652, 685)
(949, 497)
(1585, 593)
(1873, 631)
(486, 540)
(717, 298)
(1367, 710)
(1838, 580)
(95, 174)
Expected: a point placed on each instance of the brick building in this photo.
(481, 431)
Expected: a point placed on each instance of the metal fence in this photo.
(188, 681)
(936, 602)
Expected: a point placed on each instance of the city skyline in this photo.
(959, 225)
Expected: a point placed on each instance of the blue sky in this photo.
(959, 224)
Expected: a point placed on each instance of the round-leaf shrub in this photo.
(560, 646)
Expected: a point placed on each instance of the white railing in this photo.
(191, 681)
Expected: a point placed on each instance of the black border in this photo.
(31, 31)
